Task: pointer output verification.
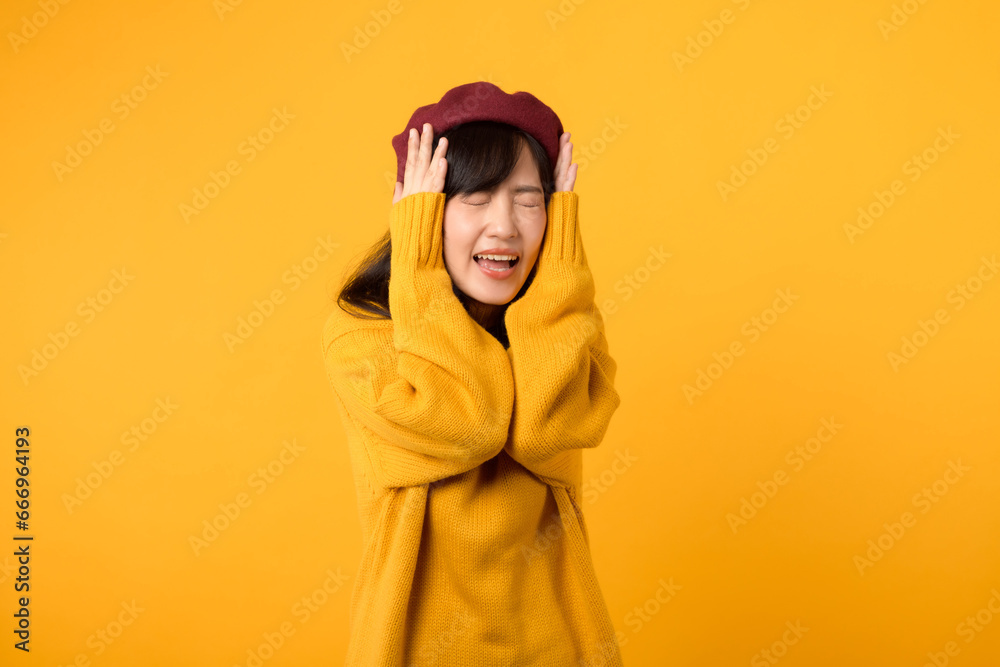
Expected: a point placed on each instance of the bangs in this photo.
(482, 154)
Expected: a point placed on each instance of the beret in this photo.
(482, 100)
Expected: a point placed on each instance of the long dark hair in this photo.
(481, 155)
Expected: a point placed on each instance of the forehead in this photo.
(526, 171)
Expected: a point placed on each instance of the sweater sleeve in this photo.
(564, 393)
(433, 386)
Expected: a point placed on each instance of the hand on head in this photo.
(423, 172)
(426, 173)
(565, 171)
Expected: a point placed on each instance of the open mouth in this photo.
(496, 262)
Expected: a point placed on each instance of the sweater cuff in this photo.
(416, 225)
(562, 238)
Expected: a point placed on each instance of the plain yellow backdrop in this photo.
(790, 211)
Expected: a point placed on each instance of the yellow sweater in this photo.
(467, 459)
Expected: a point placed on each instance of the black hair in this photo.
(481, 155)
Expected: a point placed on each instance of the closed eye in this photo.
(486, 202)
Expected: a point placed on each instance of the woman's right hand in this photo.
(422, 174)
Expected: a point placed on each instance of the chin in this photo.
(492, 298)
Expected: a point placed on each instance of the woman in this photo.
(467, 410)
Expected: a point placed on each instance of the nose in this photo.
(501, 219)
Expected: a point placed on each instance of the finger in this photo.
(439, 165)
(559, 155)
(411, 158)
(439, 152)
(440, 173)
(562, 165)
(569, 161)
(397, 193)
(568, 165)
(424, 156)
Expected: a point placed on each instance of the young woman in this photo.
(468, 387)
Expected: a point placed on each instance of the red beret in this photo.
(483, 100)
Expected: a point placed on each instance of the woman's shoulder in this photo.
(341, 322)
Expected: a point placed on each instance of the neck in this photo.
(486, 314)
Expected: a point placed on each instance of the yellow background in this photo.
(661, 134)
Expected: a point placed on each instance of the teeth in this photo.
(497, 257)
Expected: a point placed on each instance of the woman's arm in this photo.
(564, 392)
(434, 388)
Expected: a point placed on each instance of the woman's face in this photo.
(508, 221)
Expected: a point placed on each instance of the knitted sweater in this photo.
(467, 461)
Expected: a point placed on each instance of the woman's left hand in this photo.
(565, 172)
